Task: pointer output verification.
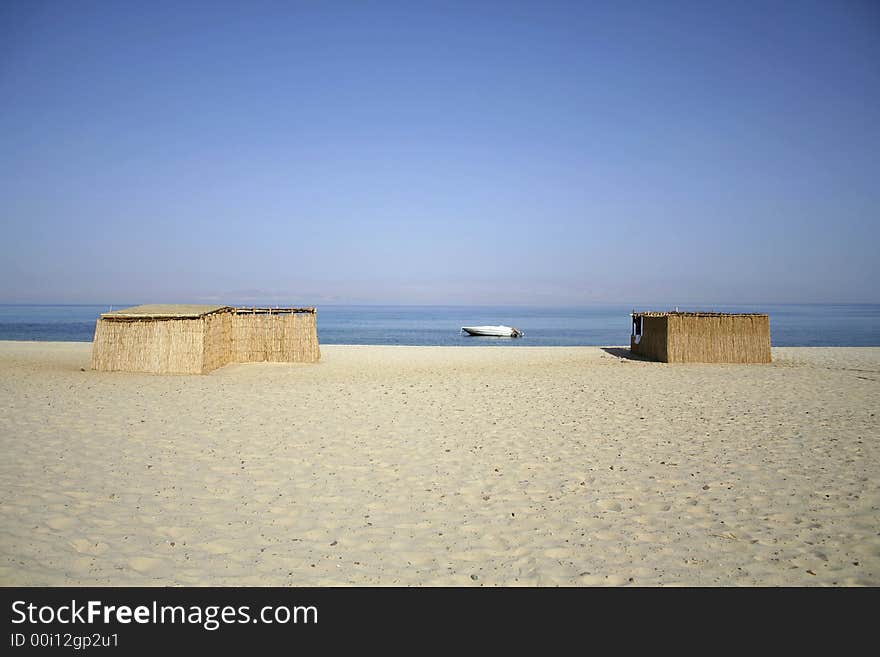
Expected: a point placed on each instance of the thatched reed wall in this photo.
(705, 338)
(276, 338)
(192, 344)
(218, 341)
(173, 346)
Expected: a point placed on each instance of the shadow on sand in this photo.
(622, 352)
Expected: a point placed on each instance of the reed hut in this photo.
(195, 339)
(679, 337)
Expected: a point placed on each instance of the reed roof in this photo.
(254, 310)
(194, 311)
(164, 311)
(673, 313)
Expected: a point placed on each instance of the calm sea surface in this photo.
(790, 325)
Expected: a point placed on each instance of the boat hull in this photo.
(493, 331)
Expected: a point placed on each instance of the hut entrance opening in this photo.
(637, 328)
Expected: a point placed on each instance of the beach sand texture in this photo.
(442, 466)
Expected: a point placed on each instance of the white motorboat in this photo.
(493, 331)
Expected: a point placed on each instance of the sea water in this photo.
(809, 325)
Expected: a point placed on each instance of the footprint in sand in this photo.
(61, 522)
(558, 553)
(216, 547)
(173, 532)
(85, 546)
(81, 565)
(144, 564)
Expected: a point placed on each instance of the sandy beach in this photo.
(442, 466)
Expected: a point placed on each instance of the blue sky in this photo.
(440, 152)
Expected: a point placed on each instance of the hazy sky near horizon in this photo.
(440, 152)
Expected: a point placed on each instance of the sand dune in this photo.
(442, 466)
